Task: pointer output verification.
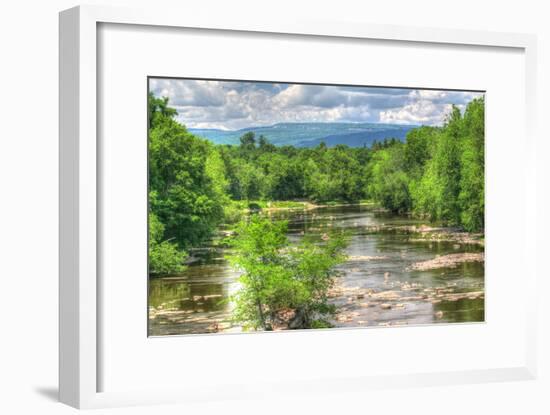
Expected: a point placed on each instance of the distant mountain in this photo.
(311, 134)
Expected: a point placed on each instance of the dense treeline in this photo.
(445, 169)
(257, 170)
(187, 189)
(438, 173)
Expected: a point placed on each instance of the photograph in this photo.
(276, 206)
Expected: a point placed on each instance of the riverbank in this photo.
(246, 206)
(427, 233)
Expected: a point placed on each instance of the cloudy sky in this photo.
(234, 105)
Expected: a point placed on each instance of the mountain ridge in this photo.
(302, 134)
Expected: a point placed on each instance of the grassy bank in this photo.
(272, 205)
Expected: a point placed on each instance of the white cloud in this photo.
(430, 107)
(189, 92)
(234, 105)
(418, 112)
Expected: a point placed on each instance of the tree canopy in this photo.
(283, 285)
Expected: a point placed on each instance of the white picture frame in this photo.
(79, 311)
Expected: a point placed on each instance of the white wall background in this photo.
(28, 208)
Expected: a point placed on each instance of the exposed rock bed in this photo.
(364, 258)
(448, 261)
(422, 233)
(400, 296)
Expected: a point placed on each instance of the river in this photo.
(378, 285)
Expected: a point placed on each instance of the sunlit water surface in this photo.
(196, 301)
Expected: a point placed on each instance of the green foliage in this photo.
(256, 169)
(451, 189)
(251, 181)
(426, 194)
(389, 184)
(248, 141)
(447, 166)
(233, 212)
(438, 173)
(286, 204)
(418, 150)
(164, 256)
(215, 171)
(187, 189)
(472, 182)
(158, 109)
(186, 181)
(282, 285)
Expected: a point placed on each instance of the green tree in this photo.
(186, 192)
(248, 144)
(284, 177)
(164, 256)
(158, 109)
(311, 179)
(447, 166)
(265, 146)
(251, 181)
(344, 172)
(389, 184)
(426, 194)
(472, 181)
(215, 170)
(419, 149)
(282, 285)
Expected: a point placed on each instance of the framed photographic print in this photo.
(277, 206)
(264, 200)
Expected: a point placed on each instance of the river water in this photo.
(377, 286)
